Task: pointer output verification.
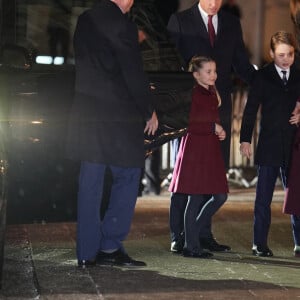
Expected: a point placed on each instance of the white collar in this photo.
(280, 73)
(204, 16)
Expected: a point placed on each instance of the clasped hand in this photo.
(220, 132)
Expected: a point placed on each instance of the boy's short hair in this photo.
(282, 37)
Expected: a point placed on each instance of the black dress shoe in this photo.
(177, 246)
(262, 251)
(212, 245)
(118, 258)
(86, 263)
(202, 254)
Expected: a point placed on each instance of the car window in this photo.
(46, 27)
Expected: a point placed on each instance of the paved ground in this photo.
(40, 260)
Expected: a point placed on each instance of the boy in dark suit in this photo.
(275, 90)
(206, 30)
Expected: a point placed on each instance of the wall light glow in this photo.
(48, 60)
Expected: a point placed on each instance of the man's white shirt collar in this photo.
(204, 16)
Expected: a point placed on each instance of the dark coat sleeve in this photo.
(240, 60)
(174, 29)
(250, 111)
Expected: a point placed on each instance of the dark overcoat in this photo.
(277, 101)
(112, 96)
(292, 197)
(199, 167)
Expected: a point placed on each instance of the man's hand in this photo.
(245, 149)
(151, 125)
(295, 118)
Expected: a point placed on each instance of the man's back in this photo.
(112, 98)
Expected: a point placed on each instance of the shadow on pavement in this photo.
(40, 261)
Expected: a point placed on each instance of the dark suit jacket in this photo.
(189, 33)
(112, 95)
(277, 102)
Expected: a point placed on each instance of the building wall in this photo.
(277, 17)
(271, 15)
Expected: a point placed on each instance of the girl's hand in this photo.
(220, 132)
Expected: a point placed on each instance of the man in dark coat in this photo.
(189, 31)
(111, 107)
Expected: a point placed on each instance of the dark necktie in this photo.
(284, 79)
(211, 30)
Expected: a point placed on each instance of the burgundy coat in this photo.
(292, 197)
(199, 167)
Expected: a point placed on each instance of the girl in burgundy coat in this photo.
(292, 197)
(199, 169)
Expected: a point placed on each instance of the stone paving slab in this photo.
(40, 261)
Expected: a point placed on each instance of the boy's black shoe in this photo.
(262, 251)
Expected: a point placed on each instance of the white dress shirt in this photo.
(280, 73)
(204, 16)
